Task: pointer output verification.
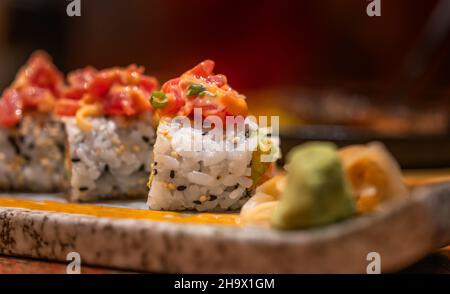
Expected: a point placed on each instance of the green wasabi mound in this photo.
(317, 191)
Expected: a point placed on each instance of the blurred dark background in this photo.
(329, 51)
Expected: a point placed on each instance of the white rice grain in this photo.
(200, 178)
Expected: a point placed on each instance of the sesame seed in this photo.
(181, 188)
(120, 149)
(45, 162)
(247, 131)
(13, 142)
(136, 148)
(115, 141)
(166, 134)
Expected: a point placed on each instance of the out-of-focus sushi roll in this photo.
(108, 122)
(31, 140)
(206, 168)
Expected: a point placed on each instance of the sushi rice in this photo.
(32, 155)
(112, 160)
(212, 178)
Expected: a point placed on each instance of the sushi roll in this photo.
(109, 133)
(222, 172)
(31, 138)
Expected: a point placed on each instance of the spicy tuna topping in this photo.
(36, 87)
(199, 88)
(110, 92)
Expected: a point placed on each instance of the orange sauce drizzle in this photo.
(227, 219)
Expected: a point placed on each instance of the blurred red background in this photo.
(258, 44)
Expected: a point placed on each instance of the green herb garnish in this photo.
(195, 89)
(158, 99)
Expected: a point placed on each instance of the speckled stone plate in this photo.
(126, 235)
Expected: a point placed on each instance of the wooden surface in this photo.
(438, 262)
(15, 265)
